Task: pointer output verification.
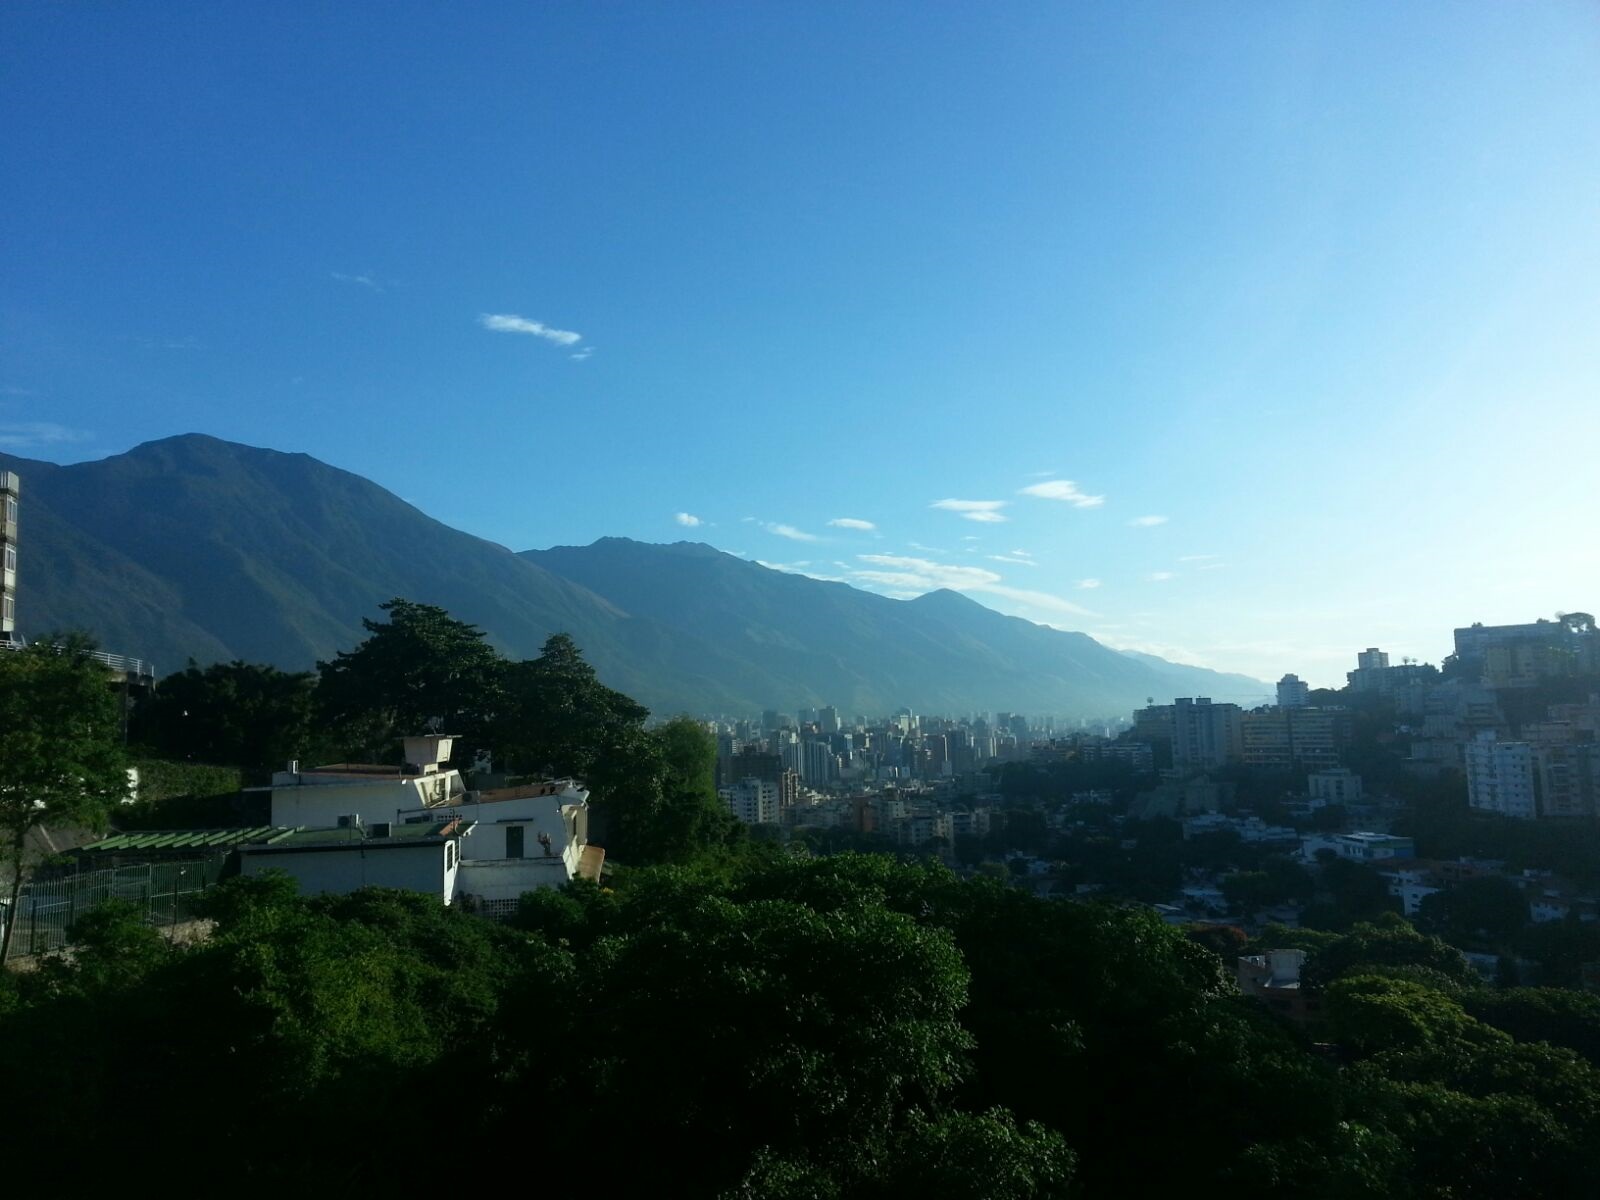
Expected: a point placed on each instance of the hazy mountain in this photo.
(866, 653)
(196, 547)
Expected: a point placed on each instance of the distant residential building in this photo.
(1501, 777)
(1153, 724)
(1205, 734)
(1411, 884)
(1283, 738)
(819, 766)
(1374, 674)
(10, 490)
(1293, 692)
(754, 801)
(1336, 785)
(1274, 979)
(1568, 774)
(1514, 656)
(1362, 846)
(1138, 755)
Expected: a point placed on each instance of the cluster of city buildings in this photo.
(897, 776)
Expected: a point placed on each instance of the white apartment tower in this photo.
(1500, 777)
(10, 488)
(1293, 692)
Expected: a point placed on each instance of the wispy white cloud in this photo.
(1088, 583)
(1197, 558)
(798, 568)
(920, 574)
(366, 281)
(31, 435)
(789, 531)
(1160, 576)
(1065, 491)
(852, 523)
(985, 511)
(583, 355)
(511, 323)
(15, 391)
(688, 519)
(926, 549)
(1212, 566)
(1012, 558)
(1023, 553)
(1146, 522)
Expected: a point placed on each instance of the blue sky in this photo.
(1318, 286)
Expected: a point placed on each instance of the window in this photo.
(11, 510)
(449, 855)
(11, 558)
(513, 841)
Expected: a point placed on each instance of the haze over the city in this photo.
(1245, 338)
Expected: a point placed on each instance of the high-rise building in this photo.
(1371, 659)
(10, 488)
(1500, 776)
(753, 801)
(818, 764)
(1205, 734)
(1293, 692)
(828, 719)
(1288, 737)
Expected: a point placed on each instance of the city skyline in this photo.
(1242, 344)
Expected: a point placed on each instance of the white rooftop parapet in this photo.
(427, 753)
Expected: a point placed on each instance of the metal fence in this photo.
(47, 908)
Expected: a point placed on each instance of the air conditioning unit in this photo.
(350, 821)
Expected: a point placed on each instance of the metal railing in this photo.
(47, 908)
(116, 662)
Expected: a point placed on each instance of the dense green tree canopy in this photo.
(231, 714)
(421, 669)
(61, 752)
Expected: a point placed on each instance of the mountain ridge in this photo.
(197, 547)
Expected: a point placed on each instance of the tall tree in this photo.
(420, 669)
(61, 755)
(231, 714)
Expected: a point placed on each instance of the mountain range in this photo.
(196, 548)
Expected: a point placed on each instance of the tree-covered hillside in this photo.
(838, 1027)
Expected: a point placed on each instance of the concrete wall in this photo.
(314, 805)
(428, 868)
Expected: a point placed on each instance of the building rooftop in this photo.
(411, 833)
(187, 839)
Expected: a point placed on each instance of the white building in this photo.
(1293, 692)
(1500, 776)
(421, 857)
(319, 797)
(753, 801)
(1337, 785)
(524, 838)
